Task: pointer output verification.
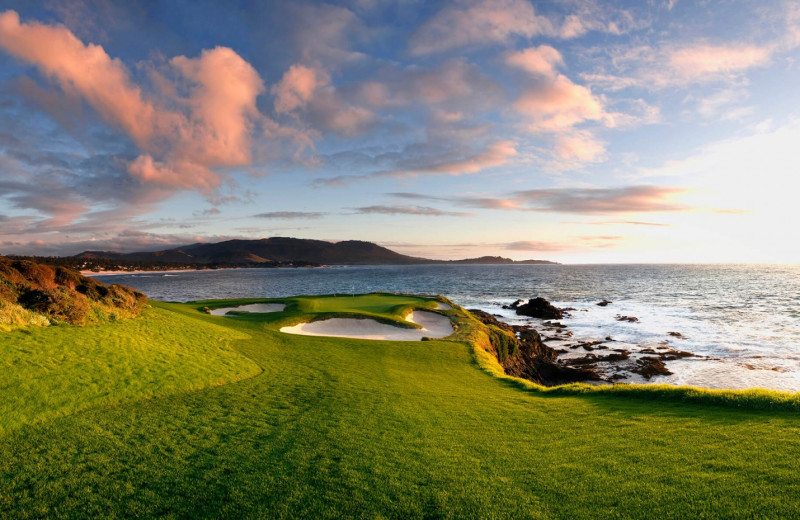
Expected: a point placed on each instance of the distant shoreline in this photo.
(158, 271)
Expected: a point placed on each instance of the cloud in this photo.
(409, 210)
(297, 87)
(542, 60)
(86, 69)
(478, 22)
(323, 34)
(707, 61)
(629, 199)
(557, 105)
(579, 146)
(483, 22)
(553, 104)
(656, 68)
(210, 212)
(569, 244)
(426, 160)
(124, 241)
(182, 139)
(628, 222)
(532, 245)
(589, 201)
(290, 215)
(307, 91)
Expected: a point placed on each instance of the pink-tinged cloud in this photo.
(223, 108)
(307, 91)
(580, 146)
(86, 69)
(465, 23)
(181, 140)
(629, 199)
(297, 87)
(626, 199)
(681, 66)
(710, 60)
(542, 60)
(408, 210)
(558, 104)
(495, 154)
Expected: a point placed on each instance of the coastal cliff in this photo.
(521, 353)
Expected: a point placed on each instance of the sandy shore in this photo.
(433, 326)
(163, 271)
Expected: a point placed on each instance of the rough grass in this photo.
(337, 427)
(13, 316)
(33, 294)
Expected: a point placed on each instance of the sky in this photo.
(580, 131)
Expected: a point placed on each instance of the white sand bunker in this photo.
(253, 307)
(433, 326)
(442, 306)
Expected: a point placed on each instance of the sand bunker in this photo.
(442, 306)
(253, 307)
(434, 326)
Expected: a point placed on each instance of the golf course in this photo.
(180, 413)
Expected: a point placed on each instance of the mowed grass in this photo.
(54, 371)
(336, 428)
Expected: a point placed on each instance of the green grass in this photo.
(59, 370)
(335, 428)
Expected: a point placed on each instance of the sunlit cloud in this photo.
(409, 210)
(589, 201)
(290, 215)
(655, 68)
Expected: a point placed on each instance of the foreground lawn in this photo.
(331, 428)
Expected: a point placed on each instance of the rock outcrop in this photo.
(528, 357)
(539, 308)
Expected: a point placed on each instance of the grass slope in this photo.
(56, 371)
(353, 428)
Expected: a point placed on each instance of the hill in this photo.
(37, 294)
(499, 260)
(281, 251)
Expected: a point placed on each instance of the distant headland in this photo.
(265, 252)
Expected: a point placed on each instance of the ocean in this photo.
(742, 322)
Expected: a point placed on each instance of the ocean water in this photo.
(742, 321)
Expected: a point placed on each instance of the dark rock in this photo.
(649, 367)
(631, 319)
(540, 308)
(488, 319)
(604, 303)
(571, 309)
(609, 338)
(513, 305)
(592, 359)
(554, 324)
(675, 354)
(676, 335)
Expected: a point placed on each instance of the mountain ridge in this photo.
(287, 250)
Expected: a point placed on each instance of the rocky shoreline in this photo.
(551, 357)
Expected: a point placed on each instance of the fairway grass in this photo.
(317, 427)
